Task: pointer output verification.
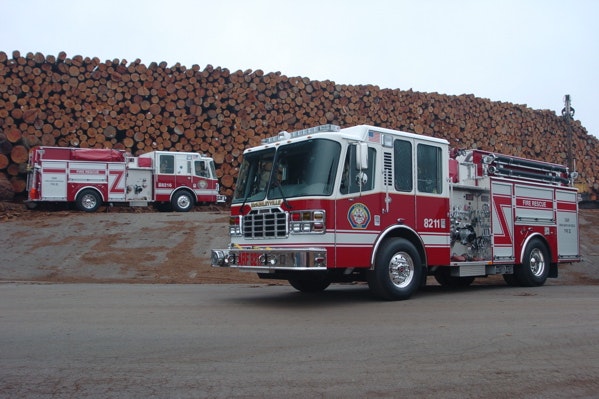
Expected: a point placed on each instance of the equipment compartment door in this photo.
(502, 220)
(567, 224)
(54, 181)
(116, 181)
(139, 185)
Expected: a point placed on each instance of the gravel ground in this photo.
(139, 245)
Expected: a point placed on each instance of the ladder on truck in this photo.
(536, 171)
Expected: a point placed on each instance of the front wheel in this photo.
(182, 201)
(310, 284)
(397, 270)
(88, 200)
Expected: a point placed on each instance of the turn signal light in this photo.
(302, 222)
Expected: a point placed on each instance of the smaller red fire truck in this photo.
(92, 176)
(365, 203)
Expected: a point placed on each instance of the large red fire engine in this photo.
(364, 203)
(91, 176)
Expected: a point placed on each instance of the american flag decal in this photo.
(374, 137)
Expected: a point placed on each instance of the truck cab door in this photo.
(432, 201)
(356, 207)
(183, 170)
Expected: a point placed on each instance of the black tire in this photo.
(310, 284)
(534, 269)
(88, 200)
(510, 279)
(31, 205)
(397, 271)
(182, 201)
(163, 206)
(445, 279)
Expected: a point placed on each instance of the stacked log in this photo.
(83, 102)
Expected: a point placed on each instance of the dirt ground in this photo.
(141, 245)
(116, 244)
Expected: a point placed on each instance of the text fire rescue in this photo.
(90, 176)
(326, 205)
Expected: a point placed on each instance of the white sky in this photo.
(529, 52)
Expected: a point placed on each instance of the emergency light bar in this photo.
(304, 132)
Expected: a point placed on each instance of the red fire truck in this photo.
(91, 176)
(364, 203)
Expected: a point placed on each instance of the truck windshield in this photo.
(306, 168)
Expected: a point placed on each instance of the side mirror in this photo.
(362, 156)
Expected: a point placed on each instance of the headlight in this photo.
(218, 258)
(235, 225)
(303, 222)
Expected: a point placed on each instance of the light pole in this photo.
(568, 114)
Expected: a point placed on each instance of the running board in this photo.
(473, 269)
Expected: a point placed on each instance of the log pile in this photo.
(83, 102)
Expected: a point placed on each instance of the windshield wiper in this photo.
(244, 201)
(277, 183)
(248, 190)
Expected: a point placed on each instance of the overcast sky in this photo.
(529, 52)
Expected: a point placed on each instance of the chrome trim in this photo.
(271, 259)
(265, 223)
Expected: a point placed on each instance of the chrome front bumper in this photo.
(268, 260)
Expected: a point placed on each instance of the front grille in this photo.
(265, 223)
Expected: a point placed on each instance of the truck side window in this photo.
(167, 164)
(403, 165)
(352, 177)
(200, 167)
(429, 169)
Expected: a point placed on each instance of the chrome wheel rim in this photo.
(537, 262)
(88, 201)
(183, 202)
(401, 270)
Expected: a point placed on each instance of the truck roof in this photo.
(364, 133)
(194, 155)
(80, 154)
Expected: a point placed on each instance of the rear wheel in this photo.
(397, 270)
(88, 200)
(510, 279)
(182, 201)
(534, 269)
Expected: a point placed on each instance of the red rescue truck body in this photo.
(388, 207)
(91, 176)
